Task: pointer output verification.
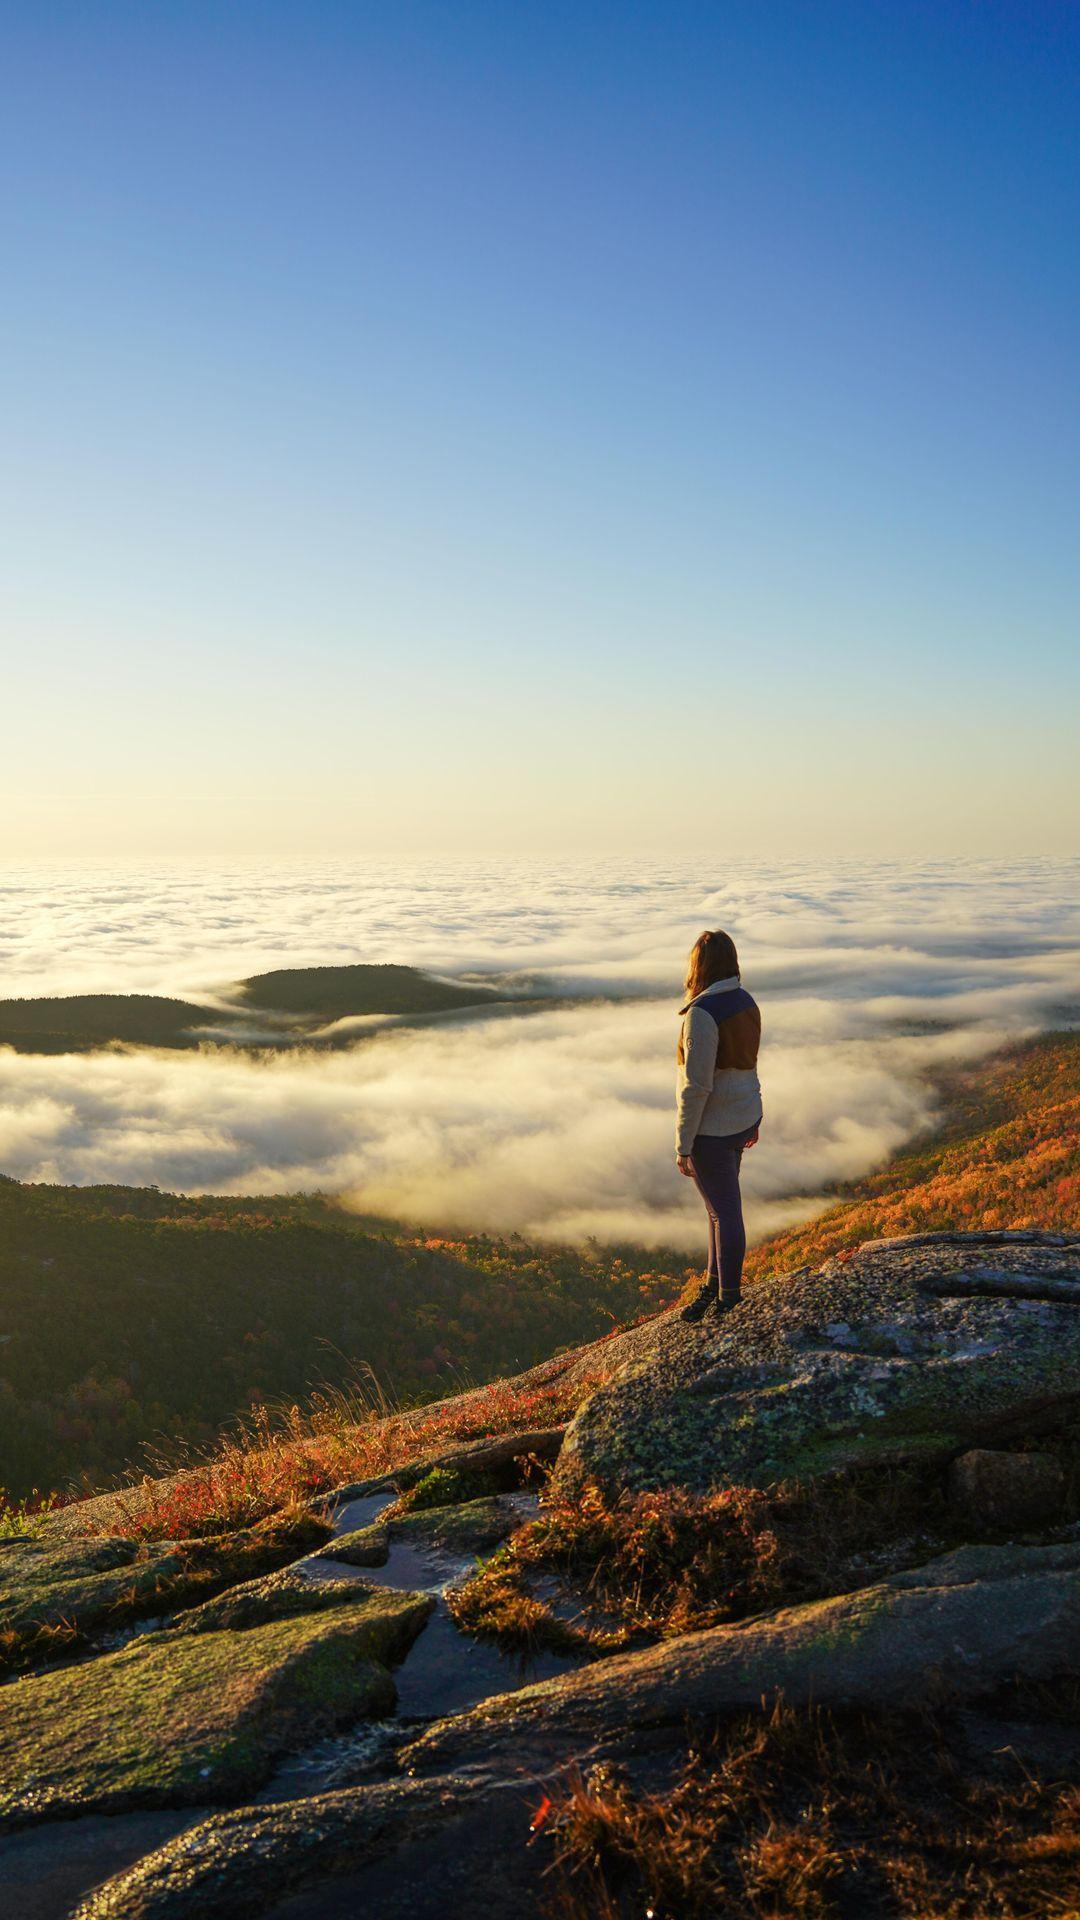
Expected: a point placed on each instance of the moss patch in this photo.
(176, 1719)
(275, 1596)
(473, 1526)
(364, 1547)
(444, 1487)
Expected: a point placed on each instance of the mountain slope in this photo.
(347, 1702)
(1007, 1155)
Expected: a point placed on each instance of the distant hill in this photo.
(74, 1023)
(332, 993)
(291, 1004)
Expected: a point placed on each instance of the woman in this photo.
(718, 1109)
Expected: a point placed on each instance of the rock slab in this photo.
(955, 1628)
(177, 1719)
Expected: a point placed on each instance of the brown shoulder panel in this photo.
(739, 1039)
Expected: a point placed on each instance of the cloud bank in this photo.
(556, 1123)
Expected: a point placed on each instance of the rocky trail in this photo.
(289, 1722)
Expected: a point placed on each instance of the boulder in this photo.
(879, 1355)
(175, 1719)
(996, 1489)
(447, 1847)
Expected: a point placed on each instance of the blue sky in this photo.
(505, 427)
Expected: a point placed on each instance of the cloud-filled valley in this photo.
(556, 1122)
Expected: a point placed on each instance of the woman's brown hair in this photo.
(712, 957)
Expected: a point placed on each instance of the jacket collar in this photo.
(718, 986)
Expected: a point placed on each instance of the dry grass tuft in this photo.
(807, 1816)
(276, 1463)
(793, 1872)
(667, 1563)
(49, 1641)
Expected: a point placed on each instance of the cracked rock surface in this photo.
(956, 1627)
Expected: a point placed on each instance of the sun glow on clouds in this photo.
(557, 1123)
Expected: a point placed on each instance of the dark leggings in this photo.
(715, 1159)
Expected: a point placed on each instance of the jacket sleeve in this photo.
(695, 1081)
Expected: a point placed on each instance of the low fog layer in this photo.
(557, 1123)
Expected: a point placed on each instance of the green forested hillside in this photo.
(127, 1314)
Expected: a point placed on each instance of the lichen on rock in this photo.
(857, 1363)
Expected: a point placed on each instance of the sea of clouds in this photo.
(871, 976)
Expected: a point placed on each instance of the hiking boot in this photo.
(723, 1304)
(705, 1297)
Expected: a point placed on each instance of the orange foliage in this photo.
(1008, 1156)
